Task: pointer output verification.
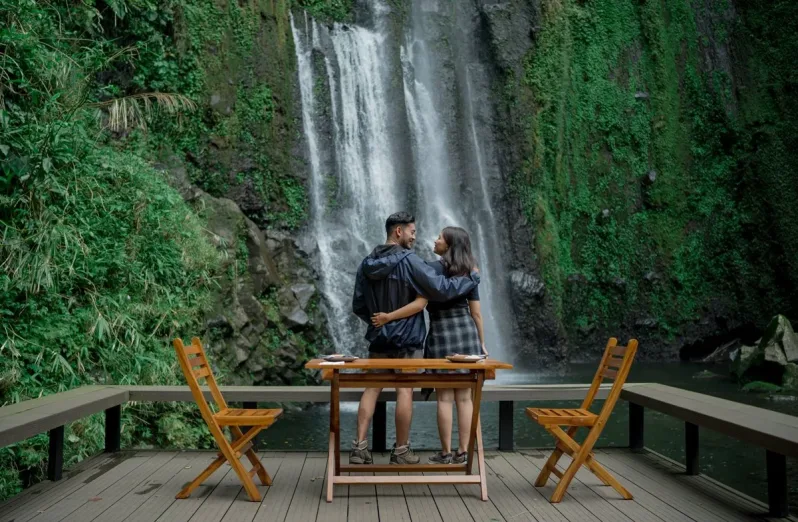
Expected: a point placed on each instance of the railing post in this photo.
(113, 429)
(506, 426)
(691, 448)
(55, 460)
(636, 426)
(378, 433)
(777, 485)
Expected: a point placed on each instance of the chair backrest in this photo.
(195, 368)
(615, 365)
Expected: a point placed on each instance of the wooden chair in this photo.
(615, 365)
(195, 367)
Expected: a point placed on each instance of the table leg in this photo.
(331, 467)
(334, 451)
(477, 399)
(483, 475)
(335, 419)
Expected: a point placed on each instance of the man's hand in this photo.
(379, 319)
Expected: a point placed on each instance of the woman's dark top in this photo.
(459, 302)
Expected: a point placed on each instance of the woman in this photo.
(455, 328)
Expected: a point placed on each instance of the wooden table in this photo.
(406, 374)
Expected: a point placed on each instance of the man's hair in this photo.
(398, 219)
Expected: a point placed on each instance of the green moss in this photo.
(613, 90)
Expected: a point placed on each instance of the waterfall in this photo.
(376, 145)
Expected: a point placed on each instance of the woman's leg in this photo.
(445, 397)
(465, 410)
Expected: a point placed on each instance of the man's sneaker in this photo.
(460, 458)
(441, 458)
(404, 455)
(360, 453)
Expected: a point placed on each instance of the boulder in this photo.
(303, 292)
(772, 360)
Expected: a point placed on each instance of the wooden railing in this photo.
(775, 432)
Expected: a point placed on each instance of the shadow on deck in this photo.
(140, 487)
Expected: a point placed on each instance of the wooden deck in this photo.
(140, 487)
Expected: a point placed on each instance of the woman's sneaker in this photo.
(360, 453)
(441, 458)
(404, 455)
(460, 458)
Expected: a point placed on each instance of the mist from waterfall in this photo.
(389, 146)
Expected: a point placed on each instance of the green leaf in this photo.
(4, 149)
(47, 165)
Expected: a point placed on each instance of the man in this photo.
(388, 279)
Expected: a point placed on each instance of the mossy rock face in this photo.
(789, 382)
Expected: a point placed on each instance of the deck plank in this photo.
(182, 510)
(44, 494)
(135, 498)
(93, 486)
(304, 505)
(215, 505)
(694, 504)
(94, 507)
(162, 498)
(391, 502)
(140, 487)
(450, 504)
(421, 505)
(338, 509)
(242, 510)
(585, 495)
(534, 502)
(275, 508)
(362, 501)
(503, 500)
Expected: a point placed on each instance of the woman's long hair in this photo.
(458, 260)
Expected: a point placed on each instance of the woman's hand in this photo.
(484, 350)
(379, 319)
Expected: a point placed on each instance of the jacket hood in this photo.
(382, 260)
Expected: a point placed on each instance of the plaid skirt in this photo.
(451, 332)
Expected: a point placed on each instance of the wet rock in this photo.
(769, 360)
(526, 284)
(706, 374)
(724, 353)
(241, 355)
(303, 292)
(789, 381)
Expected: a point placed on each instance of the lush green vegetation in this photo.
(102, 262)
(616, 90)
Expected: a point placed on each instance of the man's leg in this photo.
(404, 415)
(360, 453)
(365, 412)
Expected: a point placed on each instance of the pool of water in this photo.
(732, 462)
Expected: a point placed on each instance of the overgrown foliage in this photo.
(101, 262)
(652, 185)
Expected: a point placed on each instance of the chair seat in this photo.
(242, 417)
(562, 417)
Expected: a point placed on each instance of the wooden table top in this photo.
(408, 364)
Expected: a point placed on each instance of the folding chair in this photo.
(615, 364)
(195, 367)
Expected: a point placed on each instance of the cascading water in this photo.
(376, 146)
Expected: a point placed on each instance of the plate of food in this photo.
(460, 358)
(339, 357)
